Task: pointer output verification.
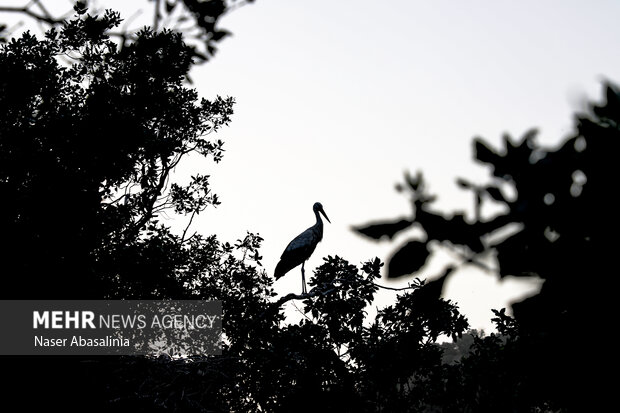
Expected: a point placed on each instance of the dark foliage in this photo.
(560, 224)
(89, 136)
(87, 149)
(197, 19)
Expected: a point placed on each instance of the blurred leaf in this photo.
(431, 291)
(408, 259)
(415, 182)
(170, 5)
(514, 256)
(485, 154)
(454, 229)
(380, 230)
(80, 7)
(220, 34)
(612, 107)
(463, 183)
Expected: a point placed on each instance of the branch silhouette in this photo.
(325, 289)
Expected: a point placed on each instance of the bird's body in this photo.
(302, 247)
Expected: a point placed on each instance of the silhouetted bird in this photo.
(302, 247)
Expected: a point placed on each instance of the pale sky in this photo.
(336, 99)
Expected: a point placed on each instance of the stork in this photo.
(302, 247)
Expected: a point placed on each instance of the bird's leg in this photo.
(303, 279)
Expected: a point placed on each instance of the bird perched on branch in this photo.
(302, 247)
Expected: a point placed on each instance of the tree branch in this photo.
(188, 225)
(316, 291)
(411, 287)
(322, 290)
(26, 10)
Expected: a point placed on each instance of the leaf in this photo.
(431, 291)
(454, 229)
(415, 182)
(170, 5)
(515, 257)
(611, 107)
(408, 259)
(80, 7)
(463, 183)
(485, 154)
(220, 34)
(380, 230)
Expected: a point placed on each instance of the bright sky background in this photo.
(337, 99)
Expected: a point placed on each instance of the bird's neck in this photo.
(319, 223)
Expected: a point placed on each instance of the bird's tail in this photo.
(282, 268)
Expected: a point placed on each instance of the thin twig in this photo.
(320, 290)
(301, 312)
(30, 13)
(292, 296)
(188, 225)
(411, 287)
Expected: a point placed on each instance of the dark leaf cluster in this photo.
(198, 20)
(555, 227)
(89, 137)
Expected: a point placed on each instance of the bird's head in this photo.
(318, 207)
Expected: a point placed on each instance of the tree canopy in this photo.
(555, 227)
(90, 134)
(197, 20)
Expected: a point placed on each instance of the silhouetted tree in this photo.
(329, 361)
(196, 19)
(89, 136)
(90, 133)
(457, 349)
(86, 151)
(557, 228)
(87, 147)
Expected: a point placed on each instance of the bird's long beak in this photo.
(325, 215)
